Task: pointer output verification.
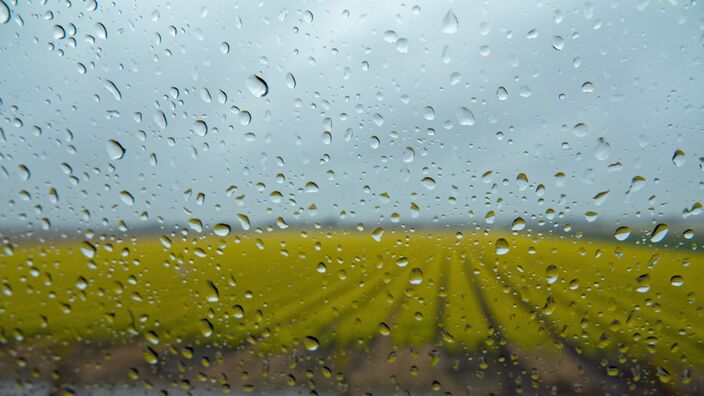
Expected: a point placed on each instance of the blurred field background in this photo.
(340, 311)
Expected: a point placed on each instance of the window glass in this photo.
(384, 197)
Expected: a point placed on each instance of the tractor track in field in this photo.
(512, 372)
(570, 348)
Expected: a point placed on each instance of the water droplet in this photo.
(600, 197)
(222, 229)
(450, 24)
(558, 42)
(622, 233)
(377, 234)
(416, 276)
(551, 274)
(643, 283)
(244, 221)
(429, 183)
(257, 86)
(237, 311)
(429, 113)
(200, 128)
(384, 329)
(390, 36)
(25, 173)
(580, 129)
(525, 91)
(4, 12)
(501, 93)
(127, 198)
(602, 150)
(409, 155)
(100, 31)
(321, 268)
(58, 32)
(206, 328)
(115, 150)
(402, 45)
(659, 233)
(112, 88)
(501, 246)
(290, 81)
(678, 158)
(465, 116)
(588, 87)
(311, 187)
(88, 249)
(518, 224)
(150, 356)
(160, 119)
(402, 261)
(311, 343)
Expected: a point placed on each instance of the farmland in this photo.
(416, 311)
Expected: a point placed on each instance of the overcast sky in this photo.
(600, 92)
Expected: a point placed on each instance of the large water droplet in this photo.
(502, 247)
(290, 81)
(659, 233)
(465, 116)
(502, 93)
(200, 128)
(409, 155)
(244, 221)
(222, 229)
(257, 86)
(88, 249)
(160, 119)
(678, 158)
(311, 343)
(622, 233)
(602, 150)
(429, 183)
(112, 88)
(4, 12)
(115, 150)
(450, 24)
